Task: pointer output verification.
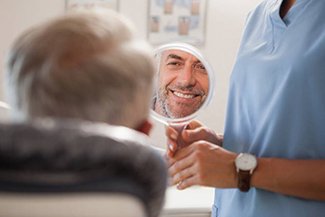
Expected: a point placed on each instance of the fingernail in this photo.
(179, 186)
(171, 147)
(173, 136)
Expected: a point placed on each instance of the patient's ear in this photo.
(145, 127)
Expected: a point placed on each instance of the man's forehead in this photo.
(181, 55)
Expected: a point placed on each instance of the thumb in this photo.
(201, 133)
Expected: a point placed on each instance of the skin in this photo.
(183, 84)
(285, 7)
(204, 162)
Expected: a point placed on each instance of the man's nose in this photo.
(186, 76)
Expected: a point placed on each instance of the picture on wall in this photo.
(76, 4)
(176, 20)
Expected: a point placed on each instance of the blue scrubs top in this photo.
(276, 104)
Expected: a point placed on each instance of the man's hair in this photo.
(85, 65)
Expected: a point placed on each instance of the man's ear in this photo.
(145, 127)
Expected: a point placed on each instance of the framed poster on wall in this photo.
(76, 4)
(177, 20)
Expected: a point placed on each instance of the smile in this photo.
(183, 95)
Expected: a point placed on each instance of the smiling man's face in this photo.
(183, 84)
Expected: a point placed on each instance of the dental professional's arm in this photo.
(299, 178)
(204, 163)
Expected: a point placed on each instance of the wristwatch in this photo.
(245, 164)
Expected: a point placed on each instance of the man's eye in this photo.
(173, 63)
(199, 66)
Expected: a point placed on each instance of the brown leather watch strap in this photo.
(244, 178)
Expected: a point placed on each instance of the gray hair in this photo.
(85, 65)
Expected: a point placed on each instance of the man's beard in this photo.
(167, 109)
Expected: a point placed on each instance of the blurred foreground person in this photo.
(80, 87)
(85, 65)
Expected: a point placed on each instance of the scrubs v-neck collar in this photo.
(280, 25)
(289, 17)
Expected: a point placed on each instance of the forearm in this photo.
(300, 178)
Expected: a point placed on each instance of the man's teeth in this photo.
(187, 96)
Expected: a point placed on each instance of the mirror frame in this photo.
(194, 51)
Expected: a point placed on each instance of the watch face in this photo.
(245, 161)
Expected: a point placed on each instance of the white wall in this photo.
(17, 15)
(225, 19)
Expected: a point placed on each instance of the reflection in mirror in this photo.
(182, 85)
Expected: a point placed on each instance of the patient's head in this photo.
(85, 65)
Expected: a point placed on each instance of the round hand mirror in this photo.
(184, 83)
